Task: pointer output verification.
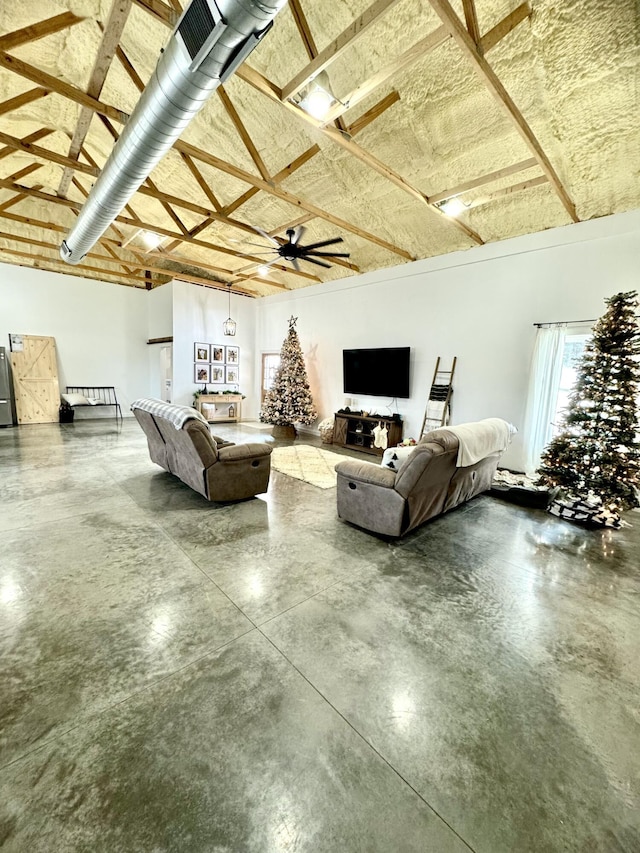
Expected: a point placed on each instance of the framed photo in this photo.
(233, 356)
(201, 373)
(217, 375)
(217, 354)
(201, 352)
(232, 375)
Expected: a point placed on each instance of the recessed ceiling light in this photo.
(318, 103)
(263, 270)
(151, 239)
(453, 206)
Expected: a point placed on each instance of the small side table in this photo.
(220, 408)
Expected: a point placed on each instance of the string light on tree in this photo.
(596, 457)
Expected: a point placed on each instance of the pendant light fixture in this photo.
(229, 325)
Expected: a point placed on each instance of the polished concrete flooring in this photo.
(184, 676)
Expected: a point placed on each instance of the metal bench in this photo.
(105, 394)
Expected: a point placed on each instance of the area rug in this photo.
(304, 462)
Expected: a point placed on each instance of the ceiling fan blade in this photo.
(328, 254)
(323, 243)
(318, 263)
(298, 234)
(296, 265)
(249, 243)
(266, 236)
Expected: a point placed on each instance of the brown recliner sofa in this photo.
(217, 469)
(428, 483)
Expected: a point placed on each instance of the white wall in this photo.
(478, 305)
(198, 315)
(100, 328)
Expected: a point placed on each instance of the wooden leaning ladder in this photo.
(438, 408)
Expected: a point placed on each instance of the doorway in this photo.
(166, 373)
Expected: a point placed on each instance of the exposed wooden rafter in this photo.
(484, 179)
(110, 39)
(337, 47)
(490, 39)
(38, 31)
(490, 79)
(12, 104)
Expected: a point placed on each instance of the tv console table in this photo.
(355, 431)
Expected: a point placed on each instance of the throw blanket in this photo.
(177, 415)
(481, 439)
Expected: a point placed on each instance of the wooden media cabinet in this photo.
(355, 431)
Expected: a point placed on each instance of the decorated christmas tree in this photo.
(597, 454)
(289, 400)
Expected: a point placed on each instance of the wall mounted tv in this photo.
(377, 372)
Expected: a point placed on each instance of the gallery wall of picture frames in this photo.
(215, 364)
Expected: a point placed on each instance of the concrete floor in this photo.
(184, 676)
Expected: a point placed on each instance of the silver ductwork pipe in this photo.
(210, 41)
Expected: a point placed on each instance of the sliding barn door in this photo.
(35, 380)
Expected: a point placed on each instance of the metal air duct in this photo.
(210, 41)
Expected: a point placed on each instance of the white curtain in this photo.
(544, 380)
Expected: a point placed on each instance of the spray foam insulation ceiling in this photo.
(527, 113)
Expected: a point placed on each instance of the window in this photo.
(270, 363)
(573, 348)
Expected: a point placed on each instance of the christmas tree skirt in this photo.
(304, 462)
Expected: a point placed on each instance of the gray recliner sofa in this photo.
(217, 469)
(427, 483)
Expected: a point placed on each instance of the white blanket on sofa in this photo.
(481, 439)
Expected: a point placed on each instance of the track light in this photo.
(453, 206)
(318, 98)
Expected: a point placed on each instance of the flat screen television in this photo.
(377, 372)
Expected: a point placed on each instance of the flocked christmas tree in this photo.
(597, 450)
(289, 400)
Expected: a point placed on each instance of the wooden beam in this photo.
(167, 340)
(363, 90)
(204, 186)
(504, 27)
(45, 154)
(36, 136)
(75, 205)
(112, 34)
(268, 88)
(17, 199)
(184, 276)
(45, 262)
(20, 100)
(308, 41)
(108, 243)
(471, 18)
(484, 179)
(488, 76)
(22, 173)
(39, 30)
(514, 188)
(24, 69)
(338, 46)
(376, 110)
(242, 131)
(160, 10)
(48, 81)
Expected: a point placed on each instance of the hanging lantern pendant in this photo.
(229, 325)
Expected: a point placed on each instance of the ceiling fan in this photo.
(292, 249)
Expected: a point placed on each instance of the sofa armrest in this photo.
(221, 442)
(238, 452)
(366, 472)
